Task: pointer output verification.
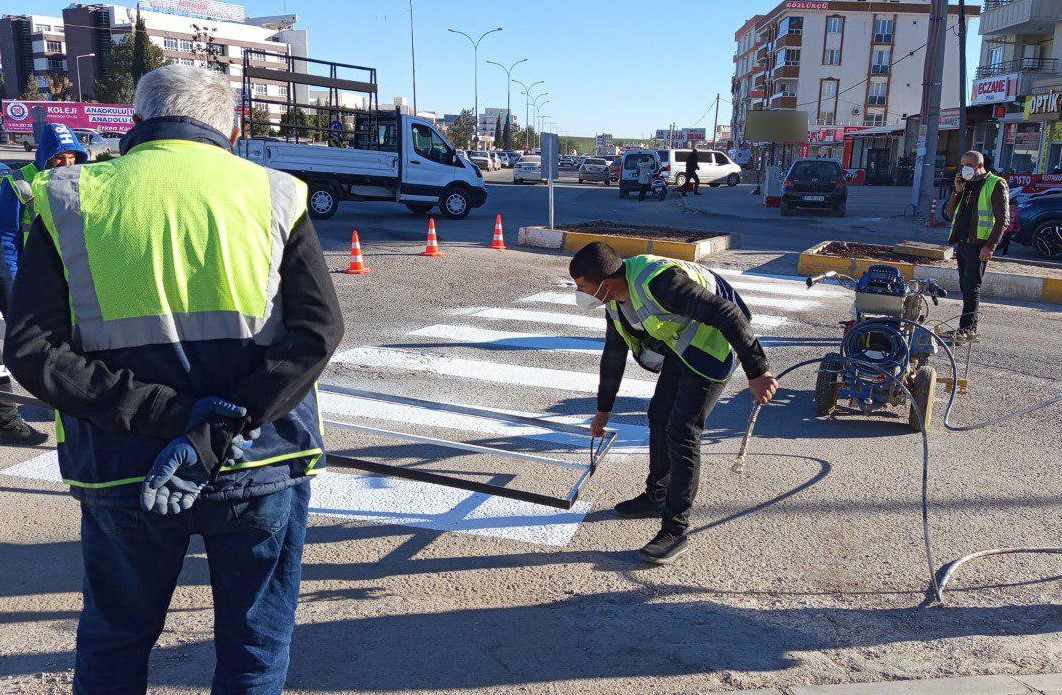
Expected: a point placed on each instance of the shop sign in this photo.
(1049, 103)
(995, 90)
(949, 119)
(832, 135)
(806, 5)
(1023, 134)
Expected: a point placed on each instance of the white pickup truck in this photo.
(388, 156)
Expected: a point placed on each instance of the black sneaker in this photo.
(18, 433)
(665, 548)
(641, 507)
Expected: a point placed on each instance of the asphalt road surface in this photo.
(808, 568)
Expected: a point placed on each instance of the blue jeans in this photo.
(132, 560)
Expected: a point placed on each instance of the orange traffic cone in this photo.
(357, 262)
(432, 249)
(499, 237)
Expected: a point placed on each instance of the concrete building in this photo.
(32, 46)
(1021, 59)
(603, 144)
(488, 120)
(851, 65)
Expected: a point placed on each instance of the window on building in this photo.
(829, 88)
(995, 56)
(53, 46)
(223, 68)
(874, 119)
(259, 89)
(835, 25)
(42, 27)
(186, 45)
(883, 30)
(787, 56)
(827, 118)
(56, 64)
(169, 43)
(186, 61)
(791, 25)
(218, 49)
(832, 56)
(880, 63)
(878, 93)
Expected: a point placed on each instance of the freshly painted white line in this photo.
(795, 289)
(502, 340)
(779, 303)
(630, 439)
(768, 321)
(548, 317)
(373, 358)
(561, 298)
(405, 503)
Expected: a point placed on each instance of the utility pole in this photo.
(929, 128)
(508, 98)
(963, 140)
(715, 126)
(475, 73)
(413, 56)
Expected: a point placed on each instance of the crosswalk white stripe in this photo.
(795, 289)
(405, 503)
(482, 370)
(510, 339)
(779, 303)
(758, 320)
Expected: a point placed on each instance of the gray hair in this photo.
(976, 156)
(184, 90)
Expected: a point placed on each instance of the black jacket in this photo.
(692, 161)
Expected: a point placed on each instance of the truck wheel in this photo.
(455, 204)
(925, 393)
(322, 201)
(733, 180)
(826, 384)
(420, 208)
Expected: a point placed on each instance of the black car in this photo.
(815, 183)
(1040, 225)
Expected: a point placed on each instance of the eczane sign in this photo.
(995, 90)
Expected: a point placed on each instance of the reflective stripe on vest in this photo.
(182, 288)
(986, 217)
(702, 348)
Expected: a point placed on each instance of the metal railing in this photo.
(1049, 65)
(993, 4)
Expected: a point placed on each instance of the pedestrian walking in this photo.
(58, 147)
(174, 306)
(685, 323)
(692, 162)
(646, 168)
(980, 214)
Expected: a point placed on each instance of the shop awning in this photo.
(879, 131)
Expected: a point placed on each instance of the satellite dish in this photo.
(855, 110)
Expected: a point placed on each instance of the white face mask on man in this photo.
(590, 302)
(968, 173)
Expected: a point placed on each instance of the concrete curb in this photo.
(543, 237)
(1046, 684)
(1029, 288)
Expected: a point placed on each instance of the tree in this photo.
(116, 67)
(261, 122)
(525, 138)
(290, 121)
(507, 135)
(59, 86)
(140, 41)
(460, 131)
(32, 92)
(497, 132)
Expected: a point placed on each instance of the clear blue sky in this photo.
(608, 65)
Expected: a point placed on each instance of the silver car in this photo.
(594, 169)
(528, 169)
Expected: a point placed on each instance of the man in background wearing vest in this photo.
(980, 213)
(174, 306)
(685, 323)
(58, 147)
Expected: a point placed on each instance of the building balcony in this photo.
(791, 40)
(761, 53)
(757, 94)
(1029, 70)
(783, 101)
(1036, 17)
(786, 72)
(759, 81)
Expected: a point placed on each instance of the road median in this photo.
(631, 240)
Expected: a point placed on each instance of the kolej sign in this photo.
(1044, 103)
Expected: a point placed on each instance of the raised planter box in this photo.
(543, 237)
(1031, 288)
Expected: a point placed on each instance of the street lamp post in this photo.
(508, 98)
(538, 106)
(413, 57)
(541, 120)
(77, 69)
(475, 70)
(527, 104)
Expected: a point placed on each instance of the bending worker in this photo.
(980, 213)
(59, 147)
(174, 306)
(683, 322)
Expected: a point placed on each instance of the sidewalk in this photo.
(1048, 684)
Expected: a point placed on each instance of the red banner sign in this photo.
(107, 118)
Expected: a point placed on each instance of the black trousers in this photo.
(692, 176)
(677, 411)
(971, 272)
(643, 188)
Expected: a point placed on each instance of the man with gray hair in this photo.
(980, 213)
(175, 308)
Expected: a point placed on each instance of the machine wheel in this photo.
(28, 147)
(925, 393)
(680, 180)
(733, 180)
(322, 201)
(455, 204)
(826, 384)
(580, 180)
(1047, 239)
(420, 208)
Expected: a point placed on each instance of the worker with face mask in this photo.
(58, 147)
(685, 323)
(980, 213)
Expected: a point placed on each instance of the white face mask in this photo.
(968, 172)
(590, 302)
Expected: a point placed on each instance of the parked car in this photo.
(481, 159)
(92, 141)
(528, 169)
(495, 160)
(628, 180)
(594, 169)
(713, 167)
(1039, 225)
(815, 183)
(615, 163)
(112, 141)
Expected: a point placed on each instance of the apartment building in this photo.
(488, 121)
(850, 64)
(32, 47)
(1020, 68)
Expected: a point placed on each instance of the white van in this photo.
(393, 157)
(628, 181)
(713, 167)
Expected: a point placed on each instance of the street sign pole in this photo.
(550, 154)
